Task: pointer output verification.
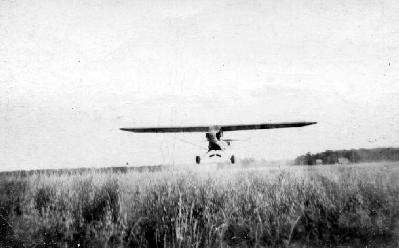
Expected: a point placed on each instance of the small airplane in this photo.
(214, 133)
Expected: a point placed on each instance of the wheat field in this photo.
(275, 206)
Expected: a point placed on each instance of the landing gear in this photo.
(232, 159)
(198, 159)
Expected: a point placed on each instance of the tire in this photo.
(198, 159)
(232, 159)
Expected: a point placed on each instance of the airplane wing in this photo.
(265, 126)
(167, 129)
(216, 128)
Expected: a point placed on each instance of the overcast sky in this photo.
(73, 72)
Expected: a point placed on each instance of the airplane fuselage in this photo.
(215, 142)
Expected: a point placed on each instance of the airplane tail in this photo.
(228, 141)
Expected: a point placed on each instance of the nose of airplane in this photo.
(214, 128)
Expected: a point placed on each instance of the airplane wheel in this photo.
(198, 159)
(233, 159)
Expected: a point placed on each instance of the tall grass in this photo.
(280, 207)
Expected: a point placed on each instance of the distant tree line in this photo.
(350, 156)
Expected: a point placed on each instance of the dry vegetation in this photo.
(274, 207)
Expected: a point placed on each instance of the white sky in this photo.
(73, 72)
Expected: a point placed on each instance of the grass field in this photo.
(297, 206)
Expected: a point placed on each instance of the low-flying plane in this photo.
(214, 133)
